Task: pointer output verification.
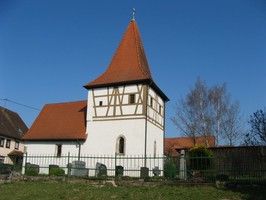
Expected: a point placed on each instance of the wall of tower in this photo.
(111, 115)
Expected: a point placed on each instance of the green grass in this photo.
(78, 191)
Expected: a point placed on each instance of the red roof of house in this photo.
(129, 63)
(11, 125)
(60, 121)
(171, 145)
(15, 153)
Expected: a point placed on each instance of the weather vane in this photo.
(134, 12)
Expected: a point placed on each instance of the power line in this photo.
(20, 104)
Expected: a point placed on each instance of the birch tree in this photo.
(208, 111)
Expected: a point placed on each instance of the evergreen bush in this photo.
(199, 158)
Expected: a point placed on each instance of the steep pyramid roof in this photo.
(129, 63)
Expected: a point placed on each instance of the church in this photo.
(124, 114)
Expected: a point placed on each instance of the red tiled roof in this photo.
(129, 63)
(173, 144)
(60, 121)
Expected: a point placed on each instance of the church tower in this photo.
(126, 109)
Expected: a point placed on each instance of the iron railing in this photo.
(195, 169)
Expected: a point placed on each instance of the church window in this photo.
(100, 103)
(58, 150)
(151, 102)
(132, 98)
(120, 145)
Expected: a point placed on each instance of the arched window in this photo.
(120, 145)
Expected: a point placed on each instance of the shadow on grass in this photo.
(250, 191)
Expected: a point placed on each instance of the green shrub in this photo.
(199, 158)
(57, 172)
(170, 170)
(6, 168)
(32, 171)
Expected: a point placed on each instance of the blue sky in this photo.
(50, 49)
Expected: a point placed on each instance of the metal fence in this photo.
(96, 165)
(191, 169)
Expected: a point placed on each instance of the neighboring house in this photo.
(12, 128)
(124, 114)
(173, 146)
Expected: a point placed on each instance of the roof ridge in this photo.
(66, 102)
(137, 43)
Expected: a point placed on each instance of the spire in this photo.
(129, 63)
(133, 14)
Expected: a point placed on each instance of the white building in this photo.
(123, 116)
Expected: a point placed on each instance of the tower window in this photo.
(151, 102)
(100, 103)
(132, 98)
(160, 109)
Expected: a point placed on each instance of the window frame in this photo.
(2, 159)
(151, 102)
(100, 103)
(121, 147)
(2, 142)
(132, 98)
(8, 143)
(16, 145)
(59, 150)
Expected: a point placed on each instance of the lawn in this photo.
(78, 191)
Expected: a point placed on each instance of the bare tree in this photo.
(185, 120)
(198, 102)
(232, 124)
(257, 133)
(207, 111)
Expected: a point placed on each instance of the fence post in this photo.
(25, 164)
(68, 165)
(115, 165)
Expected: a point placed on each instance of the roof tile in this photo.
(60, 121)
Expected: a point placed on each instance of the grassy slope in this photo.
(47, 191)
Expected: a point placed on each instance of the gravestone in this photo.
(144, 172)
(183, 166)
(78, 168)
(156, 171)
(100, 170)
(119, 170)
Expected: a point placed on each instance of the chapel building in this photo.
(124, 114)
